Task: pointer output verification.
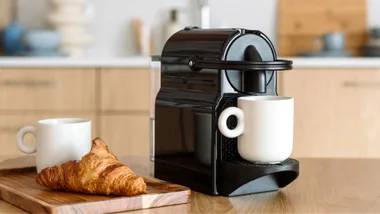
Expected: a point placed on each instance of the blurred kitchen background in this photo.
(119, 28)
(91, 58)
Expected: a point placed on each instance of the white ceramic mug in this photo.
(57, 140)
(264, 127)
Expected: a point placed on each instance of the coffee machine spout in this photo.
(253, 81)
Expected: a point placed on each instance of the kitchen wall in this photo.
(113, 33)
(373, 16)
(111, 25)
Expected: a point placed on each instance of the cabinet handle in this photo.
(31, 82)
(361, 84)
(10, 128)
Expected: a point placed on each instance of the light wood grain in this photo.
(324, 186)
(299, 22)
(125, 89)
(5, 18)
(19, 187)
(5, 13)
(27, 95)
(126, 134)
(313, 7)
(47, 89)
(11, 124)
(336, 112)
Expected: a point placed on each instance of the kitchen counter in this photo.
(29, 62)
(347, 63)
(324, 186)
(145, 62)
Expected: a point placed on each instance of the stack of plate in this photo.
(70, 20)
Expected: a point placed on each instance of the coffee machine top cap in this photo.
(249, 52)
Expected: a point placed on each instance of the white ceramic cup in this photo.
(58, 140)
(264, 127)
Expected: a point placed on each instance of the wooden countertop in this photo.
(324, 186)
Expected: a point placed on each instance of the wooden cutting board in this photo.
(19, 187)
(300, 21)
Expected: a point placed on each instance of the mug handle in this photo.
(222, 122)
(20, 139)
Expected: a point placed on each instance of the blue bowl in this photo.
(41, 39)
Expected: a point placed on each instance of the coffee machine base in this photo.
(233, 179)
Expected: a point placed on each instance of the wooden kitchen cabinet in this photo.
(11, 124)
(47, 89)
(126, 134)
(125, 89)
(124, 106)
(337, 111)
(5, 13)
(117, 101)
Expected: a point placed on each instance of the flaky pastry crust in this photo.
(98, 172)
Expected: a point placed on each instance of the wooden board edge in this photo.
(17, 198)
(152, 201)
(8, 171)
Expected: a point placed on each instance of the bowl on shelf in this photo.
(41, 40)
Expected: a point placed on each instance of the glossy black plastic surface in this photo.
(191, 96)
(198, 64)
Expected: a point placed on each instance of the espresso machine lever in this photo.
(195, 63)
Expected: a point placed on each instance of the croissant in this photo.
(98, 172)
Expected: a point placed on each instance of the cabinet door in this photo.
(337, 112)
(11, 124)
(125, 89)
(126, 134)
(47, 89)
(5, 13)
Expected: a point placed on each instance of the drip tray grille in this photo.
(288, 161)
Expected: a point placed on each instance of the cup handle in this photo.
(20, 139)
(222, 122)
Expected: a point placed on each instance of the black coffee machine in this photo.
(204, 71)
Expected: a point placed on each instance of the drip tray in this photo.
(288, 161)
